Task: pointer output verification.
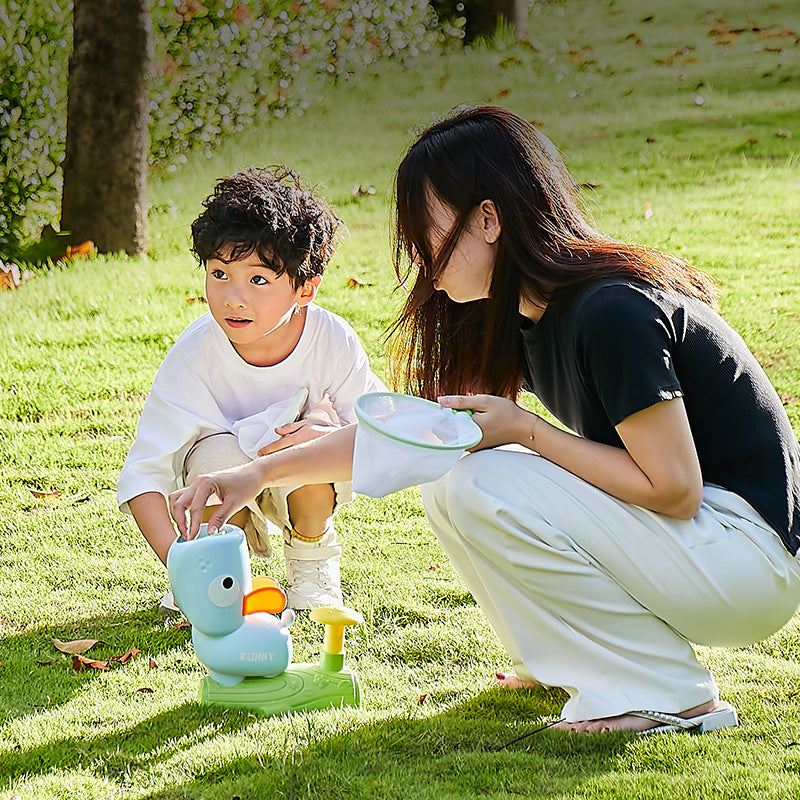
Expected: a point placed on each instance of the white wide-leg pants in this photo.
(601, 597)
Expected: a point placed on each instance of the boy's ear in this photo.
(489, 221)
(308, 291)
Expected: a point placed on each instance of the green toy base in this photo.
(303, 687)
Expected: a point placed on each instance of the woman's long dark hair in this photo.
(546, 251)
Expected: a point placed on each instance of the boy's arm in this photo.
(152, 516)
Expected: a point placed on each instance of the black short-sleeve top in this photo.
(620, 346)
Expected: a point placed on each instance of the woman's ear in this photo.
(308, 291)
(489, 221)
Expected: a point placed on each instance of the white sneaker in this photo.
(312, 571)
(167, 605)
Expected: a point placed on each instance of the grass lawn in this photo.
(688, 109)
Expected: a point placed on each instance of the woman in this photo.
(670, 516)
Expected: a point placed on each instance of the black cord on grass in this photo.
(529, 733)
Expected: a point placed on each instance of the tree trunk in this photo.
(482, 17)
(105, 168)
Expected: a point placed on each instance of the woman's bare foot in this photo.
(628, 722)
(510, 680)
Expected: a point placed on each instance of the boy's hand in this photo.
(293, 433)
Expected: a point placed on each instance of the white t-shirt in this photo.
(204, 386)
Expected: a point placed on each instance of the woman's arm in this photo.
(327, 459)
(658, 469)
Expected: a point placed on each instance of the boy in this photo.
(240, 375)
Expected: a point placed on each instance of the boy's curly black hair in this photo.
(267, 211)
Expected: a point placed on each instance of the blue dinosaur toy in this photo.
(234, 628)
(237, 634)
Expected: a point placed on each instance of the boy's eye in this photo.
(259, 280)
(218, 274)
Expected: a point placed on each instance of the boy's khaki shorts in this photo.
(220, 451)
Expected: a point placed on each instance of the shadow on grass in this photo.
(494, 745)
(35, 675)
(121, 754)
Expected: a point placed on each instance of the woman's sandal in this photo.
(723, 716)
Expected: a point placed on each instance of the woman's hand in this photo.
(501, 420)
(293, 433)
(234, 488)
(327, 459)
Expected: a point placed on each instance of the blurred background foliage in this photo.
(219, 67)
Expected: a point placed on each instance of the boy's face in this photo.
(248, 300)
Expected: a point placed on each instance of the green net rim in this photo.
(366, 419)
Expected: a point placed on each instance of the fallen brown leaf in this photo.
(199, 299)
(786, 33)
(75, 646)
(53, 494)
(9, 276)
(81, 663)
(354, 283)
(83, 250)
(123, 659)
(152, 663)
(145, 690)
(184, 623)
